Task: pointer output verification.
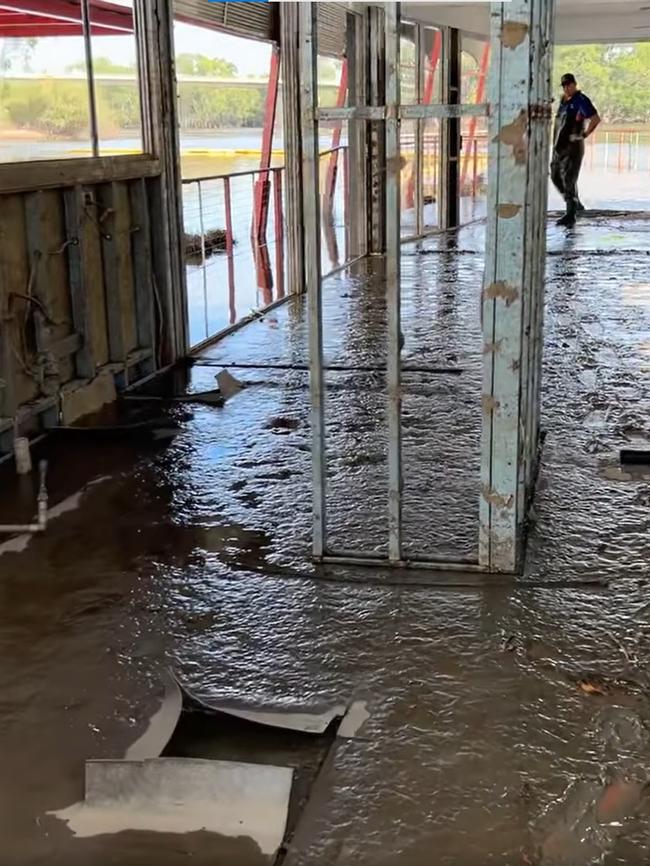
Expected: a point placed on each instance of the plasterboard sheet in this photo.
(182, 795)
(161, 725)
(307, 722)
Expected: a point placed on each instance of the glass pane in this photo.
(44, 111)
(473, 169)
(408, 64)
(432, 66)
(408, 180)
(431, 173)
(115, 69)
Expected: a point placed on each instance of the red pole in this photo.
(229, 250)
(279, 233)
(480, 96)
(434, 60)
(332, 167)
(262, 187)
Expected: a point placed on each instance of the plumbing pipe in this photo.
(41, 517)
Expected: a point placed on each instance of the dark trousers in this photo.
(565, 170)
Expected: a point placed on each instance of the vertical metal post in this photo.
(376, 133)
(357, 154)
(92, 99)
(308, 23)
(278, 219)
(333, 162)
(519, 95)
(450, 131)
(229, 250)
(290, 62)
(480, 96)
(419, 132)
(203, 268)
(393, 294)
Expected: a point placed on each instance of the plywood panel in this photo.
(115, 220)
(84, 228)
(14, 278)
(46, 244)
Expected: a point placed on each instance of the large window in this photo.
(68, 80)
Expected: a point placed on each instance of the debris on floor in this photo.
(153, 430)
(228, 385)
(182, 795)
(352, 715)
(161, 725)
(208, 398)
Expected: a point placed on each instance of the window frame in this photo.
(68, 171)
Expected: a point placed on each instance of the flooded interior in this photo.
(509, 722)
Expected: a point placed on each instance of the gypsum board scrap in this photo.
(293, 720)
(209, 398)
(157, 430)
(161, 725)
(241, 802)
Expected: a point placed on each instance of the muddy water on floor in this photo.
(488, 708)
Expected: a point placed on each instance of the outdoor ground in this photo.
(482, 745)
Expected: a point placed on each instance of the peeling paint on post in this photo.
(521, 33)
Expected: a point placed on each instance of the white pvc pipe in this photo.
(41, 516)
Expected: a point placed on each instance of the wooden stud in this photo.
(75, 219)
(142, 268)
(115, 221)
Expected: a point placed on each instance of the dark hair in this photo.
(568, 78)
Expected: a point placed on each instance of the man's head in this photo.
(569, 84)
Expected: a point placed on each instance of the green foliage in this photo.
(103, 66)
(204, 107)
(53, 107)
(66, 114)
(205, 67)
(615, 77)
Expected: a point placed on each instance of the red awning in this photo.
(38, 18)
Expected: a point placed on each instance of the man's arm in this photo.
(594, 121)
(591, 114)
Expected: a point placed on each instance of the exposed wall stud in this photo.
(519, 94)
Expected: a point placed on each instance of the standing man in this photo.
(569, 136)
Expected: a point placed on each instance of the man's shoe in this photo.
(567, 220)
(579, 206)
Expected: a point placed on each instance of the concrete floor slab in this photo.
(197, 554)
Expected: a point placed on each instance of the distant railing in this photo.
(235, 241)
(620, 150)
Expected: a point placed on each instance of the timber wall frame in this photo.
(91, 266)
(513, 290)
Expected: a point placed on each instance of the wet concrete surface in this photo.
(508, 725)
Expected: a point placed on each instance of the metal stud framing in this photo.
(308, 36)
(392, 276)
(519, 94)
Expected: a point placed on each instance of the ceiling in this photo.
(577, 21)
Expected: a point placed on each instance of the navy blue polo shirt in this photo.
(570, 119)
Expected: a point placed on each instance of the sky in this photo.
(52, 56)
